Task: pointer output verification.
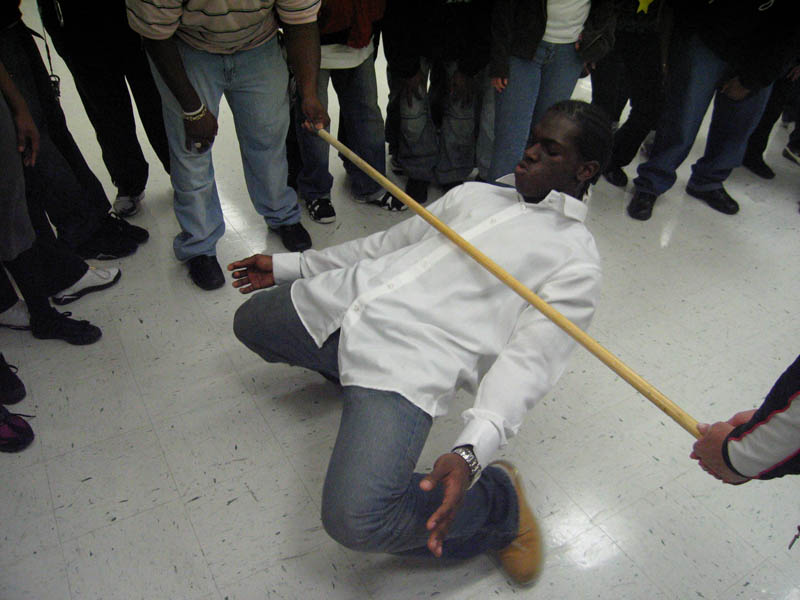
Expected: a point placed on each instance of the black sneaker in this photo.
(641, 206)
(294, 237)
(106, 245)
(115, 223)
(616, 176)
(15, 433)
(12, 390)
(388, 202)
(717, 199)
(757, 165)
(418, 190)
(321, 210)
(59, 326)
(206, 272)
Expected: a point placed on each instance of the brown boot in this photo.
(523, 558)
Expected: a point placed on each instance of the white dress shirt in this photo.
(419, 317)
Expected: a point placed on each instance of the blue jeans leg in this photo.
(195, 197)
(695, 72)
(360, 122)
(533, 87)
(371, 499)
(257, 92)
(732, 122)
(417, 146)
(315, 179)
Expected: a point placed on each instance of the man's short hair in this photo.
(596, 137)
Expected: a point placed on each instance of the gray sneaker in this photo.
(127, 206)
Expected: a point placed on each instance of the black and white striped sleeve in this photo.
(768, 445)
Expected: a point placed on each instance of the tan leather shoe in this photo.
(523, 558)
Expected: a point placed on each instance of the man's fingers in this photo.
(242, 264)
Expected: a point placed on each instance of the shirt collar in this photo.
(570, 207)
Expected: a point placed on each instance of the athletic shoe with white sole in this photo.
(321, 209)
(127, 206)
(93, 280)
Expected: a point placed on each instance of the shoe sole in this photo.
(84, 341)
(62, 300)
(126, 213)
(16, 327)
(324, 220)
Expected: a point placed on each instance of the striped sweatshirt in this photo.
(768, 445)
(218, 26)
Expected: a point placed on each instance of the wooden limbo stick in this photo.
(642, 386)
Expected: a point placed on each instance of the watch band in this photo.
(469, 457)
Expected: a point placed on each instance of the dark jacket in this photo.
(436, 30)
(349, 22)
(518, 27)
(755, 37)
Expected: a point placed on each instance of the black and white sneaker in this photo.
(93, 280)
(127, 206)
(115, 223)
(321, 210)
(383, 200)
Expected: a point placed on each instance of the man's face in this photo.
(552, 162)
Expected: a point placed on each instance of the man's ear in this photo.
(587, 171)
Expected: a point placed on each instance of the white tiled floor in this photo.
(172, 463)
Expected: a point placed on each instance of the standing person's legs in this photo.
(609, 85)
(757, 143)
(732, 122)
(195, 197)
(561, 68)
(513, 113)
(640, 55)
(418, 146)
(315, 179)
(457, 138)
(258, 95)
(148, 101)
(695, 73)
(361, 120)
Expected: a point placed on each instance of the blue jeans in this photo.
(533, 87)
(360, 128)
(695, 74)
(254, 83)
(447, 155)
(371, 500)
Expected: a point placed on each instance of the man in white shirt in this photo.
(403, 318)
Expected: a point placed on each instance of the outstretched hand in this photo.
(452, 472)
(252, 273)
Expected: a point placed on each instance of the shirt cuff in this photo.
(484, 438)
(286, 267)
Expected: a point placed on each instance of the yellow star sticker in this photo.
(644, 5)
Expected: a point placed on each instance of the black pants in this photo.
(101, 60)
(640, 57)
(782, 91)
(73, 197)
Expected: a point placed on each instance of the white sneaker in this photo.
(16, 317)
(127, 206)
(93, 280)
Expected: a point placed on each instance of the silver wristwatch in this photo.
(469, 457)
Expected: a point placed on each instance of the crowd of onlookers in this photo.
(467, 81)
